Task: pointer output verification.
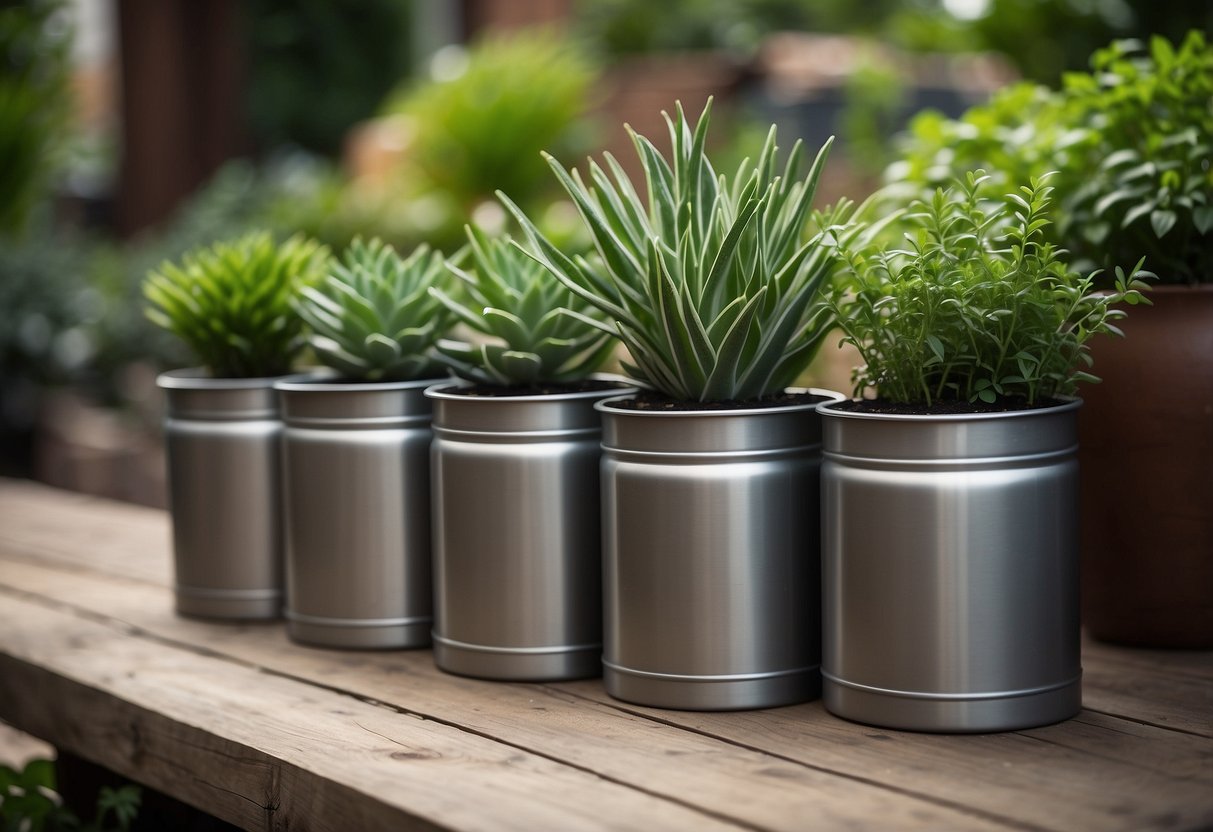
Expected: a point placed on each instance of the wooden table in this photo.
(238, 721)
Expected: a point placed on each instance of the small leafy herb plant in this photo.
(373, 318)
(515, 303)
(978, 308)
(1129, 140)
(231, 302)
(1150, 189)
(708, 282)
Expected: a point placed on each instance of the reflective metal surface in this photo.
(517, 548)
(711, 558)
(356, 482)
(221, 438)
(950, 571)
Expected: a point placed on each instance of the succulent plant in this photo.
(531, 340)
(231, 302)
(711, 287)
(373, 317)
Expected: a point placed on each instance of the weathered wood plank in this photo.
(1046, 778)
(68, 528)
(729, 781)
(266, 752)
(1128, 685)
(1109, 770)
(17, 747)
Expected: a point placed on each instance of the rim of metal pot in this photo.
(831, 396)
(328, 381)
(828, 409)
(449, 391)
(198, 378)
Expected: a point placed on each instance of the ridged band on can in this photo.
(517, 547)
(711, 555)
(357, 512)
(950, 574)
(221, 442)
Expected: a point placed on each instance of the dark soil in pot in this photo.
(652, 401)
(553, 389)
(1006, 404)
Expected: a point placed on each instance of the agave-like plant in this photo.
(231, 302)
(530, 340)
(373, 317)
(712, 288)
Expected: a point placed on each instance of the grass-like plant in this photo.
(373, 317)
(517, 307)
(709, 283)
(231, 302)
(978, 307)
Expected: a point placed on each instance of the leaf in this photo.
(936, 346)
(1202, 218)
(1162, 221)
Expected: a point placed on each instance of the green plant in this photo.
(711, 287)
(373, 317)
(316, 67)
(1129, 142)
(35, 104)
(29, 803)
(531, 340)
(1149, 185)
(231, 302)
(481, 124)
(979, 307)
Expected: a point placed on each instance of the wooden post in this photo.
(182, 102)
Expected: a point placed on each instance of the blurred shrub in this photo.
(479, 124)
(625, 27)
(35, 104)
(1131, 144)
(318, 66)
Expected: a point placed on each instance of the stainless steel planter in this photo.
(221, 438)
(517, 549)
(357, 507)
(711, 556)
(950, 569)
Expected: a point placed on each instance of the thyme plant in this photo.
(708, 282)
(517, 308)
(231, 302)
(373, 317)
(977, 307)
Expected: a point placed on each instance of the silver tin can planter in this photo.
(517, 543)
(711, 555)
(221, 440)
(950, 569)
(357, 512)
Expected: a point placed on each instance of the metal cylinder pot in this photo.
(357, 508)
(711, 555)
(950, 569)
(221, 439)
(517, 547)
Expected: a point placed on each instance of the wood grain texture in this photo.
(266, 752)
(1141, 757)
(1074, 781)
(732, 782)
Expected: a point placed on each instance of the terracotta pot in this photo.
(1146, 438)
